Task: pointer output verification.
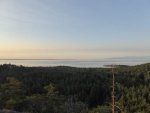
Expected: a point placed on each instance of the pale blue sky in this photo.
(74, 29)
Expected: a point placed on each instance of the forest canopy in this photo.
(66, 89)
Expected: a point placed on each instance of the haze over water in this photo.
(76, 63)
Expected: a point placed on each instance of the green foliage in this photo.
(72, 106)
(101, 109)
(50, 90)
(73, 90)
(12, 93)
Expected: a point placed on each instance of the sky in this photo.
(74, 29)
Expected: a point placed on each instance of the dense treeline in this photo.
(74, 90)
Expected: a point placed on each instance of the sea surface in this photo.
(76, 63)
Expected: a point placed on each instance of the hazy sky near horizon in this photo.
(74, 29)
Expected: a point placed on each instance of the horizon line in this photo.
(32, 59)
(72, 59)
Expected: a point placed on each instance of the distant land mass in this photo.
(132, 57)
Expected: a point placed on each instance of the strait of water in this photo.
(76, 63)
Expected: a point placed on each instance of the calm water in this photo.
(78, 63)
